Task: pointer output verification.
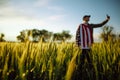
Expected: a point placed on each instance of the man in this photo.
(84, 38)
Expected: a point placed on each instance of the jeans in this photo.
(82, 72)
(86, 54)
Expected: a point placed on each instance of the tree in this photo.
(2, 37)
(57, 37)
(107, 33)
(24, 36)
(66, 35)
(62, 36)
(46, 35)
(43, 35)
(35, 34)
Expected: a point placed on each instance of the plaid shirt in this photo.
(84, 34)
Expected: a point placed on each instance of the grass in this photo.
(53, 61)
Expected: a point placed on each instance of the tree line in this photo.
(35, 35)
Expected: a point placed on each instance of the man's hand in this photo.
(108, 17)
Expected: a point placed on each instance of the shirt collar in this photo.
(85, 23)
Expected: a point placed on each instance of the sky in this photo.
(55, 15)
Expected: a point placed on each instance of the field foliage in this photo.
(57, 61)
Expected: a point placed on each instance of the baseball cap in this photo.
(86, 16)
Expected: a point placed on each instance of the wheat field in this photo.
(57, 61)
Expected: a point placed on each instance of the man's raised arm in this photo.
(101, 24)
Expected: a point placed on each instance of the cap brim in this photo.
(88, 16)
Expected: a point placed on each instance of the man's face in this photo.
(86, 19)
